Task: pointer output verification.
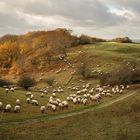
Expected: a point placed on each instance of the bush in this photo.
(126, 75)
(50, 81)
(84, 71)
(122, 40)
(4, 82)
(26, 82)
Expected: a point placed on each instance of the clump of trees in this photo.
(50, 81)
(84, 39)
(122, 40)
(4, 82)
(83, 70)
(125, 75)
(25, 81)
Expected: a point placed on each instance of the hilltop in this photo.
(35, 50)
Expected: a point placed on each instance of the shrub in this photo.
(26, 82)
(126, 75)
(122, 40)
(49, 81)
(4, 82)
(84, 70)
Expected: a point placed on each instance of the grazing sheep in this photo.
(53, 102)
(127, 86)
(108, 94)
(54, 95)
(53, 107)
(28, 100)
(78, 99)
(8, 108)
(7, 90)
(18, 102)
(32, 96)
(58, 100)
(60, 105)
(91, 91)
(12, 89)
(79, 92)
(65, 104)
(43, 109)
(68, 98)
(28, 94)
(46, 91)
(1, 105)
(121, 91)
(42, 95)
(95, 97)
(85, 101)
(17, 109)
(74, 100)
(34, 102)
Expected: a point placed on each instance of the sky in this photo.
(100, 18)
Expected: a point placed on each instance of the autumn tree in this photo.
(9, 53)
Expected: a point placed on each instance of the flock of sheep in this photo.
(84, 94)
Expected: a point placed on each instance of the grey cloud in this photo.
(81, 15)
(77, 10)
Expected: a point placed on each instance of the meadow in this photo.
(118, 120)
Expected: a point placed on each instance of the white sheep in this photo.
(34, 102)
(12, 89)
(74, 100)
(32, 96)
(43, 109)
(60, 105)
(28, 94)
(42, 95)
(8, 108)
(91, 91)
(28, 100)
(18, 102)
(58, 100)
(78, 92)
(95, 97)
(78, 99)
(65, 104)
(53, 102)
(46, 91)
(68, 98)
(7, 90)
(108, 94)
(121, 91)
(85, 101)
(17, 109)
(54, 95)
(1, 105)
(53, 107)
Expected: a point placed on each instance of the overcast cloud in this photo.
(101, 18)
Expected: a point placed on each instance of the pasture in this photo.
(115, 121)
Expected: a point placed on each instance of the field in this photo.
(112, 118)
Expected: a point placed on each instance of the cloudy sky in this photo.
(101, 18)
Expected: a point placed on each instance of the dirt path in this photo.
(69, 114)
